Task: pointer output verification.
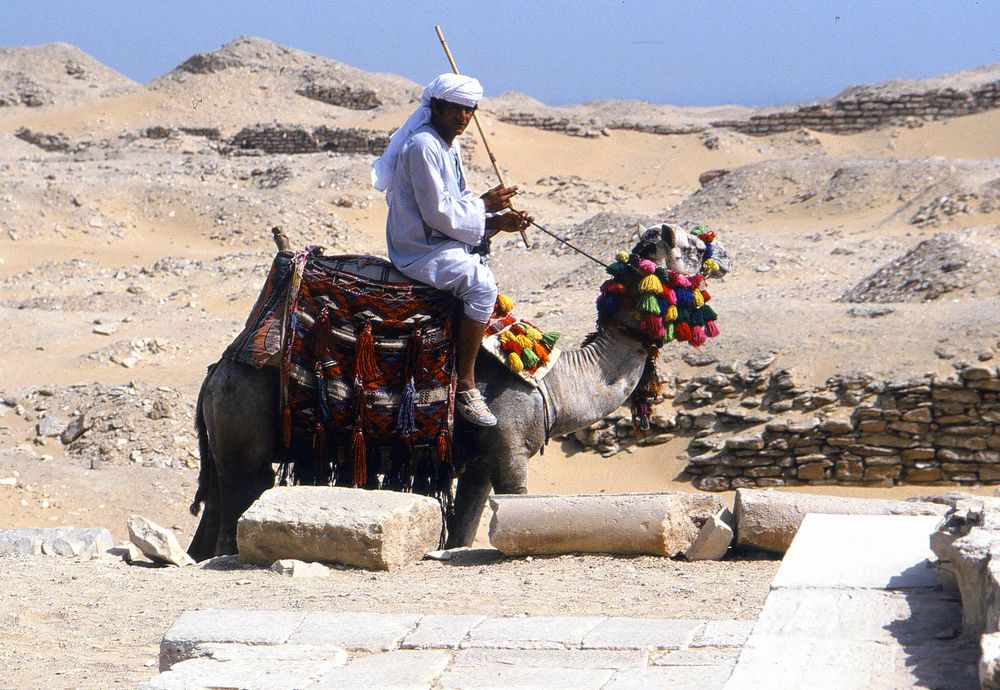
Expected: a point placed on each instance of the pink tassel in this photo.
(652, 326)
(646, 267)
(712, 329)
(671, 296)
(698, 336)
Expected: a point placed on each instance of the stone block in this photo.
(366, 632)
(877, 551)
(538, 632)
(702, 656)
(552, 658)
(83, 543)
(157, 543)
(769, 519)
(501, 676)
(664, 524)
(723, 634)
(672, 677)
(441, 631)
(642, 633)
(402, 669)
(379, 530)
(714, 538)
(193, 628)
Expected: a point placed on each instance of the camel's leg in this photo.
(241, 491)
(511, 475)
(470, 499)
(207, 534)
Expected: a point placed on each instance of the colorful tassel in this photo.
(677, 280)
(534, 335)
(682, 332)
(712, 329)
(512, 346)
(648, 304)
(652, 326)
(622, 256)
(286, 426)
(684, 299)
(699, 301)
(618, 268)
(670, 294)
(504, 305)
(406, 419)
(710, 266)
(705, 296)
(647, 267)
(515, 363)
(612, 287)
(359, 459)
(651, 285)
(607, 306)
(550, 339)
(444, 447)
(365, 366)
(669, 334)
(708, 314)
(671, 314)
(541, 353)
(529, 359)
(524, 341)
(698, 337)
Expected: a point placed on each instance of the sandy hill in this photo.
(55, 73)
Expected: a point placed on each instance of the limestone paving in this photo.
(263, 650)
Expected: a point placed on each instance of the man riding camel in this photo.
(435, 223)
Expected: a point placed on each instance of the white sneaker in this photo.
(472, 407)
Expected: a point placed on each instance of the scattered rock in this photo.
(296, 568)
(714, 538)
(699, 358)
(159, 544)
(50, 426)
(760, 362)
(69, 542)
(870, 312)
(75, 429)
(105, 329)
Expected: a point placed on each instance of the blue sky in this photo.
(702, 52)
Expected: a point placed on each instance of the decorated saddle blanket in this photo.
(524, 349)
(367, 375)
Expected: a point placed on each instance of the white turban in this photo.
(454, 88)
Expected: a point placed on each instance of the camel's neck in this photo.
(588, 384)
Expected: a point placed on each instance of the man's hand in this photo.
(514, 221)
(498, 198)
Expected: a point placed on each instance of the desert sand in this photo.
(128, 263)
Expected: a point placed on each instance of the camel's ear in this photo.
(667, 234)
(640, 231)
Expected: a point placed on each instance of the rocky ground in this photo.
(128, 260)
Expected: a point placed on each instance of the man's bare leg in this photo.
(470, 403)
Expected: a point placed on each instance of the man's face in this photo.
(451, 119)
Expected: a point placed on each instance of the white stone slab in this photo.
(536, 632)
(642, 633)
(234, 626)
(890, 616)
(403, 669)
(723, 634)
(438, 631)
(877, 551)
(552, 658)
(371, 632)
(672, 678)
(702, 656)
(523, 678)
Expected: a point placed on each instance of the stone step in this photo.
(854, 605)
(268, 650)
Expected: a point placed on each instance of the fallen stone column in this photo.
(769, 519)
(661, 524)
(378, 530)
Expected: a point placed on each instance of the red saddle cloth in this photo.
(367, 371)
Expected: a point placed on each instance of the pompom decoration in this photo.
(699, 301)
(671, 314)
(669, 334)
(550, 339)
(612, 287)
(712, 329)
(515, 363)
(648, 304)
(541, 353)
(533, 334)
(652, 326)
(504, 305)
(647, 267)
(651, 285)
(530, 359)
(710, 266)
(698, 337)
(512, 346)
(677, 280)
(618, 268)
(705, 296)
(682, 332)
(671, 295)
(622, 256)
(525, 343)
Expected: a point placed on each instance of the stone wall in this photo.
(292, 139)
(920, 431)
(554, 123)
(863, 111)
(342, 95)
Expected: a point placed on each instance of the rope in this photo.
(568, 244)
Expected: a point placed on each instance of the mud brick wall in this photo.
(940, 431)
(292, 140)
(552, 123)
(341, 95)
(862, 112)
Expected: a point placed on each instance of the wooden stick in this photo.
(482, 134)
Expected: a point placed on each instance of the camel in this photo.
(236, 414)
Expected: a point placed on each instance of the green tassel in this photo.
(708, 314)
(529, 358)
(617, 269)
(663, 275)
(549, 340)
(669, 332)
(649, 304)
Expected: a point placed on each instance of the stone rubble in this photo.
(159, 544)
(70, 542)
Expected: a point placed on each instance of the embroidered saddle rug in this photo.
(367, 371)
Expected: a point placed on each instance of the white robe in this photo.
(435, 222)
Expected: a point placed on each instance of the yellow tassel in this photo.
(504, 337)
(710, 265)
(515, 363)
(533, 334)
(524, 341)
(699, 301)
(622, 256)
(651, 285)
(504, 305)
(671, 313)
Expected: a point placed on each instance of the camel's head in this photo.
(669, 245)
